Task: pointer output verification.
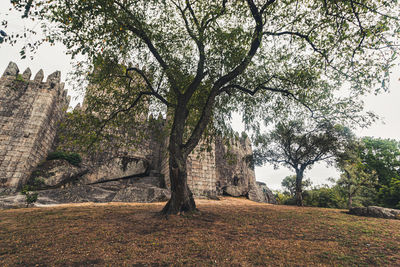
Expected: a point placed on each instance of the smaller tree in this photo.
(382, 156)
(297, 146)
(355, 173)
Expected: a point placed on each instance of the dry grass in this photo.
(231, 232)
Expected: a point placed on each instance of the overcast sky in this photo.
(52, 58)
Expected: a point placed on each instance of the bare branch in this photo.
(272, 89)
(206, 21)
(303, 36)
(362, 32)
(239, 69)
(266, 5)
(146, 39)
(149, 85)
(114, 114)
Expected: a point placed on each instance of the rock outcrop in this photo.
(235, 191)
(377, 212)
(261, 193)
(116, 168)
(56, 173)
(99, 193)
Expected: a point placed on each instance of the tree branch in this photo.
(272, 89)
(207, 110)
(113, 115)
(303, 36)
(149, 85)
(146, 39)
(205, 21)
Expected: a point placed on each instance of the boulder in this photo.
(116, 168)
(234, 191)
(377, 212)
(268, 195)
(261, 193)
(55, 173)
(142, 193)
(124, 182)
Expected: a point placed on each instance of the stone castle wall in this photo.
(202, 171)
(29, 113)
(232, 164)
(218, 168)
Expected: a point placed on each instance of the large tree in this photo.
(298, 146)
(207, 59)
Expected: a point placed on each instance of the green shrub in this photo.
(324, 197)
(30, 197)
(284, 198)
(73, 158)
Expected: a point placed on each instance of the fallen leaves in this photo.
(230, 232)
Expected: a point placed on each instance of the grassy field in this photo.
(230, 232)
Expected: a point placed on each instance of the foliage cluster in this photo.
(382, 156)
(313, 196)
(371, 171)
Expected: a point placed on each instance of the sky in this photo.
(53, 58)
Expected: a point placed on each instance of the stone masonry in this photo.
(29, 113)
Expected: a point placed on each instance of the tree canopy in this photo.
(205, 59)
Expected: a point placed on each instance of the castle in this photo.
(30, 111)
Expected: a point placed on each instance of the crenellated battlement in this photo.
(29, 113)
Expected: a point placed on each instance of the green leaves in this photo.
(372, 164)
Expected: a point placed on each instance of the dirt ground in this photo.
(229, 232)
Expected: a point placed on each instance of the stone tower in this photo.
(29, 113)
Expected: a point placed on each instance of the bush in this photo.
(284, 198)
(324, 197)
(73, 158)
(30, 197)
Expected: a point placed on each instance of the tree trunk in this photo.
(182, 200)
(350, 195)
(299, 191)
(350, 202)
